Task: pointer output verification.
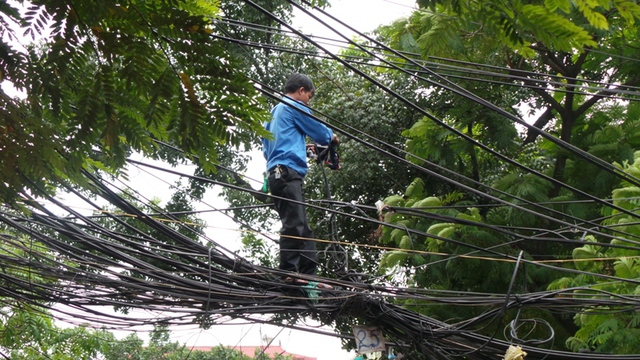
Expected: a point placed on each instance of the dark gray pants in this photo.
(296, 254)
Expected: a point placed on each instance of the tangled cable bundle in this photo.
(94, 269)
(154, 263)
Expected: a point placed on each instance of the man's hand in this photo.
(334, 139)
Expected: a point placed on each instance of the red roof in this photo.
(253, 350)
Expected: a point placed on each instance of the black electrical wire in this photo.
(426, 63)
(263, 88)
(431, 116)
(452, 87)
(530, 83)
(172, 290)
(407, 321)
(587, 194)
(420, 233)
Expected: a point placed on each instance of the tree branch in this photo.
(540, 123)
(603, 94)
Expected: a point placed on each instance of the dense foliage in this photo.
(115, 79)
(605, 328)
(30, 334)
(562, 60)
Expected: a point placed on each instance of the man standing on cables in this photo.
(286, 157)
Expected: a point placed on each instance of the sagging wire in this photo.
(432, 65)
(500, 315)
(458, 184)
(478, 249)
(466, 94)
(420, 233)
(405, 320)
(265, 89)
(381, 305)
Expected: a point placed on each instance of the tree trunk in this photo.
(568, 120)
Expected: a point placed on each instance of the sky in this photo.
(364, 15)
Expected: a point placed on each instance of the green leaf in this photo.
(406, 243)
(415, 189)
(553, 5)
(393, 258)
(428, 202)
(626, 268)
(436, 229)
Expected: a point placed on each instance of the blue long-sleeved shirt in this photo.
(290, 128)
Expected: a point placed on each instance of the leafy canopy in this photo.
(115, 78)
(609, 329)
(563, 25)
